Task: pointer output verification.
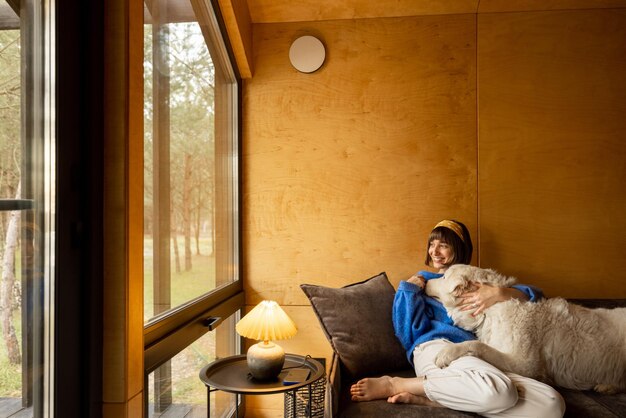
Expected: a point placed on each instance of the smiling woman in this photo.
(449, 243)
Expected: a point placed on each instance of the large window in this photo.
(26, 210)
(190, 241)
(192, 291)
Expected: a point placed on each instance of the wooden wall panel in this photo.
(274, 11)
(490, 6)
(239, 28)
(552, 165)
(347, 169)
(122, 351)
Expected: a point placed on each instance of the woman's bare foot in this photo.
(406, 397)
(372, 388)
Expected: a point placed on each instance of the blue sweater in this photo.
(418, 318)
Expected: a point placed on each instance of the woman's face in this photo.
(441, 253)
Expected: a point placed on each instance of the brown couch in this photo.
(357, 322)
(579, 404)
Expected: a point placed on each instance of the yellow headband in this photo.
(453, 226)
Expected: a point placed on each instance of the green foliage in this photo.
(10, 377)
(10, 160)
(11, 374)
(10, 143)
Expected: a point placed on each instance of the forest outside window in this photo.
(191, 202)
(190, 131)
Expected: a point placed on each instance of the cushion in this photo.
(357, 321)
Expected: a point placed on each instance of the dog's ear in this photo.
(465, 285)
(472, 286)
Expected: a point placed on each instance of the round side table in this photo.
(231, 374)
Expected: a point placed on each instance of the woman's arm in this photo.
(485, 296)
(409, 313)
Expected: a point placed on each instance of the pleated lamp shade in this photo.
(266, 322)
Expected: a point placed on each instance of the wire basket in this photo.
(308, 402)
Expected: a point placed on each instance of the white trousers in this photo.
(473, 385)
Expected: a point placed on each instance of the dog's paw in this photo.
(448, 354)
(605, 389)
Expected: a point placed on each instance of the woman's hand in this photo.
(485, 296)
(418, 280)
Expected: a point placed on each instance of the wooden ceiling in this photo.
(273, 11)
(8, 17)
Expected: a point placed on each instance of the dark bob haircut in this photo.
(461, 248)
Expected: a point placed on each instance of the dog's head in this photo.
(458, 279)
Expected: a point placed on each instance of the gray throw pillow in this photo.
(357, 321)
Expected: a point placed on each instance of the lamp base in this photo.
(265, 360)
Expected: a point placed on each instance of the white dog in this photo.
(553, 341)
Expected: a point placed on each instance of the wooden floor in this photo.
(180, 411)
(12, 408)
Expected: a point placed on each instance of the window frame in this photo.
(76, 384)
(167, 334)
(165, 338)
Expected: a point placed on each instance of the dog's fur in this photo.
(553, 341)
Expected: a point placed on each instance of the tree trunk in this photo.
(6, 289)
(187, 183)
(198, 226)
(176, 255)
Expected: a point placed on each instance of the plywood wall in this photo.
(552, 160)
(512, 123)
(345, 168)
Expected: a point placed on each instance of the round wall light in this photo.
(307, 54)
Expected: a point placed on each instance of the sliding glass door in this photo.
(27, 196)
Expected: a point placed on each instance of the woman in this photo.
(424, 328)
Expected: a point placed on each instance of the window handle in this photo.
(212, 322)
(16, 204)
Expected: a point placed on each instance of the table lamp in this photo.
(266, 322)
